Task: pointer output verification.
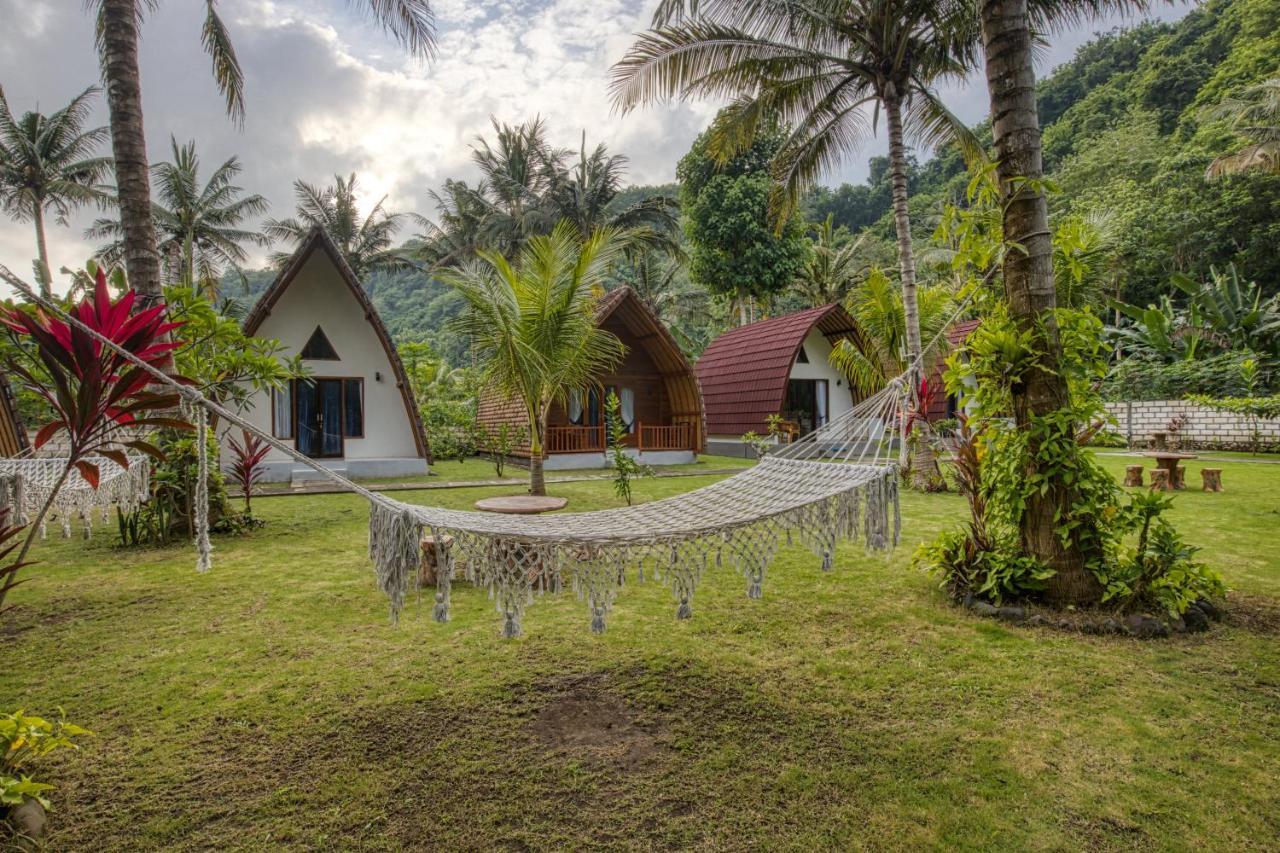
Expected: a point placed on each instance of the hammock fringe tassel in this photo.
(515, 568)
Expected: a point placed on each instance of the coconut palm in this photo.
(48, 163)
(365, 241)
(661, 281)
(1009, 51)
(118, 21)
(827, 68)
(585, 194)
(532, 323)
(838, 262)
(1256, 117)
(199, 230)
(527, 187)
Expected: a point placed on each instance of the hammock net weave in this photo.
(35, 478)
(835, 484)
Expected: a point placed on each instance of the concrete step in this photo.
(303, 475)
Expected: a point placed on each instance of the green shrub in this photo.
(24, 739)
(1149, 378)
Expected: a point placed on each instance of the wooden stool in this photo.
(1212, 479)
(429, 566)
(1133, 475)
(1160, 480)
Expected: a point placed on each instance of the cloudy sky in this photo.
(327, 92)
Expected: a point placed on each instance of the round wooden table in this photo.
(522, 504)
(1168, 460)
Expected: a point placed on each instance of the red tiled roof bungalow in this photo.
(661, 403)
(776, 367)
(941, 404)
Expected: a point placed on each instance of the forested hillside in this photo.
(1128, 137)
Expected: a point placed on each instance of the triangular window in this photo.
(319, 348)
(802, 358)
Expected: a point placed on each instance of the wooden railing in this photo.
(575, 439)
(592, 439)
(676, 437)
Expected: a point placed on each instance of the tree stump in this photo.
(1160, 480)
(1212, 479)
(1179, 477)
(1133, 475)
(430, 566)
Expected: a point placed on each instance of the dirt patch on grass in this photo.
(1257, 613)
(583, 718)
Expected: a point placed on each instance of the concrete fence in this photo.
(1189, 425)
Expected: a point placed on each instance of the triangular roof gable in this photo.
(316, 240)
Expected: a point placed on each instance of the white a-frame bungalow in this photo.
(355, 412)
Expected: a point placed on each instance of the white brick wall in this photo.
(1202, 428)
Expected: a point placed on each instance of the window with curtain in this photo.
(282, 411)
(353, 408)
(575, 407)
(820, 402)
(627, 408)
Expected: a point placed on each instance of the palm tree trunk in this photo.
(119, 21)
(1028, 278)
(923, 466)
(42, 250)
(537, 480)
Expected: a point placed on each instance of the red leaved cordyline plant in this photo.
(8, 570)
(246, 467)
(93, 390)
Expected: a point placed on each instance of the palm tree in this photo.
(835, 266)
(585, 196)
(878, 356)
(1256, 117)
(199, 227)
(533, 326)
(818, 66)
(1009, 50)
(365, 241)
(527, 187)
(47, 163)
(409, 21)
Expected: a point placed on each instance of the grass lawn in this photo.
(270, 704)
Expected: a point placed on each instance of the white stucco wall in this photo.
(318, 297)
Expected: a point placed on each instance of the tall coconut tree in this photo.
(365, 240)
(118, 22)
(1041, 394)
(585, 195)
(827, 69)
(532, 323)
(199, 227)
(48, 164)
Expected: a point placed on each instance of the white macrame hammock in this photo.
(835, 484)
(26, 483)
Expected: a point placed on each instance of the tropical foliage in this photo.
(49, 164)
(365, 241)
(199, 228)
(24, 740)
(533, 325)
(527, 187)
(98, 397)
